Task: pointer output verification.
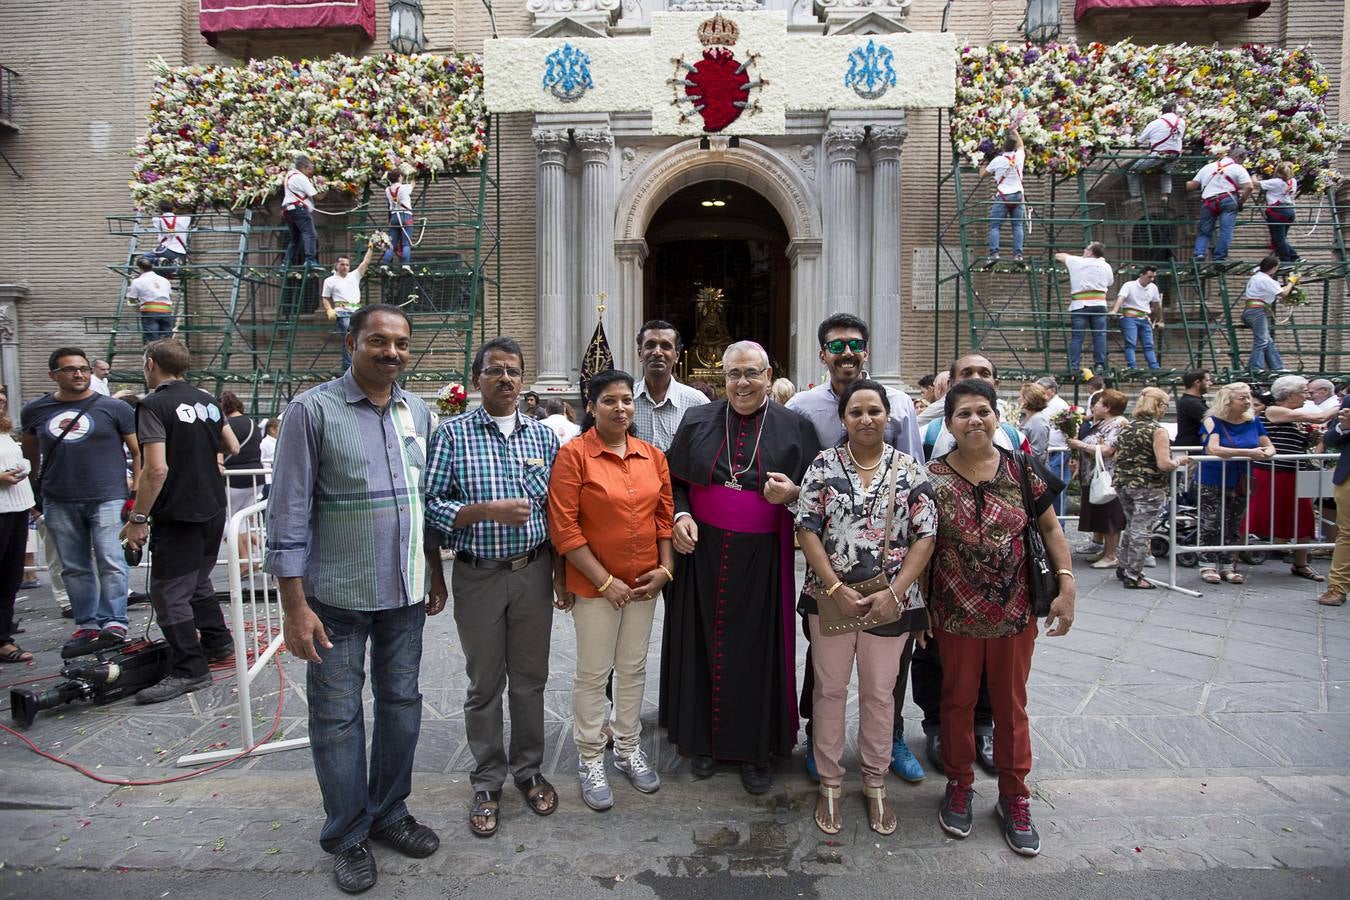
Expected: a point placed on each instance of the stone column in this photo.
(807, 311)
(11, 295)
(884, 315)
(625, 313)
(596, 146)
(841, 221)
(554, 320)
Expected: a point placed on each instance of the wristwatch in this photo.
(138, 519)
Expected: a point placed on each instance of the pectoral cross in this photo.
(733, 484)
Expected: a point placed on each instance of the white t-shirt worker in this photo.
(1138, 298)
(1089, 279)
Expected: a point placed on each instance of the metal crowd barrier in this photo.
(257, 630)
(1312, 482)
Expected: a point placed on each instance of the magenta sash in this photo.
(749, 513)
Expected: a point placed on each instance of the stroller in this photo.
(1188, 532)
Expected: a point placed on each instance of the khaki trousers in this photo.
(832, 658)
(610, 639)
(1339, 577)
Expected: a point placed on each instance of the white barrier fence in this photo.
(1287, 490)
(256, 626)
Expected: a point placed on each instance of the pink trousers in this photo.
(832, 659)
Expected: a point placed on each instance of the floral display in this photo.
(225, 135)
(1069, 421)
(1070, 103)
(452, 399)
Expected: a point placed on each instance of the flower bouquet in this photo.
(379, 240)
(1069, 421)
(452, 399)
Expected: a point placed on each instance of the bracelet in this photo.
(894, 595)
(1068, 572)
(608, 582)
(669, 577)
(829, 592)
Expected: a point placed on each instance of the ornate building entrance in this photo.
(719, 236)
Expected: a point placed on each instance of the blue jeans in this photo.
(155, 326)
(357, 797)
(301, 236)
(1278, 220)
(1227, 218)
(344, 324)
(1138, 330)
(400, 238)
(1007, 206)
(92, 564)
(1264, 355)
(1081, 320)
(1058, 463)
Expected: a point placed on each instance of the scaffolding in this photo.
(1017, 314)
(258, 327)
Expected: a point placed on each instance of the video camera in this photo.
(102, 678)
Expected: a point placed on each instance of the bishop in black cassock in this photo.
(728, 660)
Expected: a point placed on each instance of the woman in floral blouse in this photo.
(1104, 519)
(980, 602)
(841, 524)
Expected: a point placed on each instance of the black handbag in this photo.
(1042, 582)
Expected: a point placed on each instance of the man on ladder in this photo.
(399, 196)
(1006, 168)
(1224, 184)
(297, 209)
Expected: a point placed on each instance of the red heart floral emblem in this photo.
(717, 83)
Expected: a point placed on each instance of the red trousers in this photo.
(1008, 663)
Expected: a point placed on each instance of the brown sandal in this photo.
(1306, 571)
(15, 655)
(481, 810)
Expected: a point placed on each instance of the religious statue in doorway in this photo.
(711, 335)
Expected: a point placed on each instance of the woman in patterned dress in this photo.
(980, 603)
(841, 525)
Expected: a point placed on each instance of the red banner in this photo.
(220, 16)
(1254, 8)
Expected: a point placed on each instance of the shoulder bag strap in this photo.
(65, 430)
(251, 426)
(890, 511)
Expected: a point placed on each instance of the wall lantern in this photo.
(405, 26)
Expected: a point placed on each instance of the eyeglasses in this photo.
(73, 370)
(857, 345)
(499, 371)
(746, 374)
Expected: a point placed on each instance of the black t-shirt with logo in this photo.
(188, 422)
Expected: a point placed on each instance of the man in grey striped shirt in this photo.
(659, 400)
(344, 539)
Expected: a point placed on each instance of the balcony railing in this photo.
(7, 79)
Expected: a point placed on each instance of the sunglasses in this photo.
(857, 345)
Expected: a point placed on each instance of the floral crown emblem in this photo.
(718, 31)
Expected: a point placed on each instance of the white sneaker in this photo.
(639, 771)
(595, 791)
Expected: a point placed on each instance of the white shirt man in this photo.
(1321, 397)
(299, 190)
(1137, 297)
(1089, 279)
(1226, 176)
(399, 196)
(98, 377)
(1261, 288)
(1164, 134)
(341, 291)
(1006, 170)
(152, 293)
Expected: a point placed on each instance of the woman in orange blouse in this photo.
(610, 512)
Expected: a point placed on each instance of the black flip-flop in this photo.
(1139, 584)
(480, 809)
(535, 801)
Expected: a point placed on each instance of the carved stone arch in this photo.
(752, 164)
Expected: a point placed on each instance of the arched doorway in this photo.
(724, 236)
(755, 171)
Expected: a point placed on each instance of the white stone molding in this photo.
(840, 12)
(553, 318)
(626, 315)
(884, 315)
(715, 6)
(587, 12)
(804, 157)
(842, 255)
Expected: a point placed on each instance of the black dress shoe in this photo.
(756, 779)
(354, 868)
(408, 837)
(932, 745)
(703, 766)
(984, 753)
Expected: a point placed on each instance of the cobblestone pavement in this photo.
(1171, 734)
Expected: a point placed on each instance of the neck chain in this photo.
(734, 481)
(859, 466)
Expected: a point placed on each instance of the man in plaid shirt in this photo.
(486, 491)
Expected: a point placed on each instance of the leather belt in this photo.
(511, 563)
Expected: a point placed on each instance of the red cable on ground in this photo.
(120, 782)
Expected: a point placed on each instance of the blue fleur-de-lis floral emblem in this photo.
(567, 73)
(871, 70)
